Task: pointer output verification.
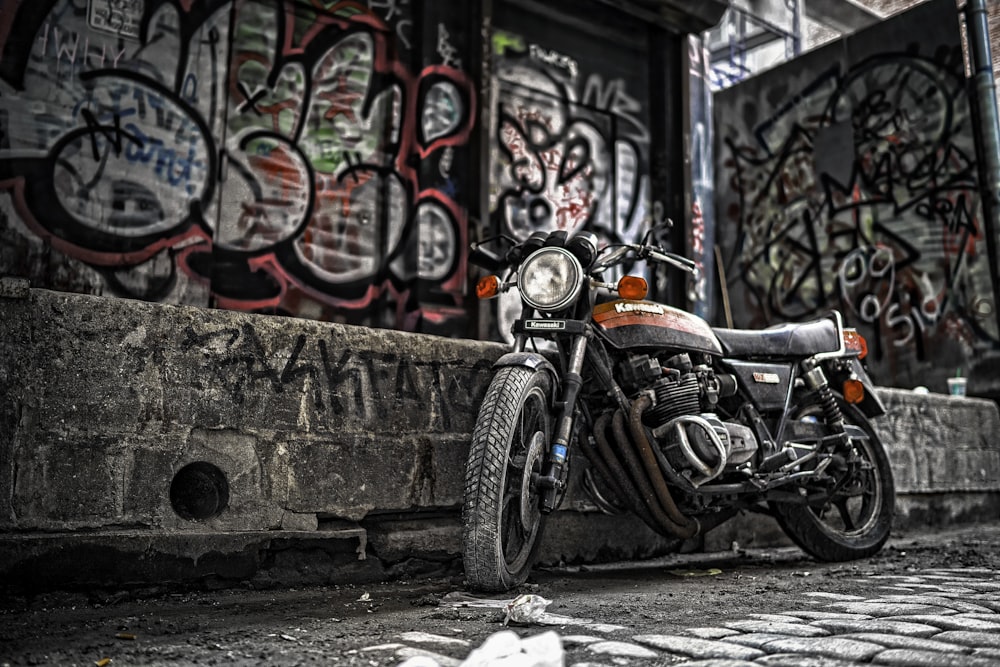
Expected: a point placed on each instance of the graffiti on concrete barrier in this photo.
(855, 186)
(268, 155)
(340, 380)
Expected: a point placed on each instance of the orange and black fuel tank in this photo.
(626, 324)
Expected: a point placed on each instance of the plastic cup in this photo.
(956, 386)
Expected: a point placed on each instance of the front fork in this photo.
(551, 483)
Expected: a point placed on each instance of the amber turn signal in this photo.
(632, 287)
(854, 391)
(855, 342)
(487, 287)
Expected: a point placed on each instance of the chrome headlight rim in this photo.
(572, 284)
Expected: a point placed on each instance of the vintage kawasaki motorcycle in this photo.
(683, 424)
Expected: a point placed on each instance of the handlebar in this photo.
(609, 256)
(480, 256)
(682, 263)
(647, 252)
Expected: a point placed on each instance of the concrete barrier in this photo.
(145, 443)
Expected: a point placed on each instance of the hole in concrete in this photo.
(199, 491)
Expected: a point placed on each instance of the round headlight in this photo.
(550, 279)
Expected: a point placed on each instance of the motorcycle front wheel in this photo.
(501, 520)
(856, 520)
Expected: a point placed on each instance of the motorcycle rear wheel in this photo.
(856, 522)
(501, 520)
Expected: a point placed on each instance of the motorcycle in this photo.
(683, 424)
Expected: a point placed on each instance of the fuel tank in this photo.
(626, 324)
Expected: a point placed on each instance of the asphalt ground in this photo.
(926, 599)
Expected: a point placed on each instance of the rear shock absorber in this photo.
(816, 380)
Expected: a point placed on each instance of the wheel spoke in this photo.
(516, 462)
(520, 435)
(845, 513)
(512, 527)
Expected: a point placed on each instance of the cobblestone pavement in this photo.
(940, 617)
(928, 600)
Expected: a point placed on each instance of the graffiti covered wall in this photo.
(848, 179)
(306, 157)
(702, 228)
(571, 135)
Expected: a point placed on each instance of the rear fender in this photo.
(871, 405)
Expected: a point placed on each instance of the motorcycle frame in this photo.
(566, 386)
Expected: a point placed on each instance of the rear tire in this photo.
(501, 519)
(857, 521)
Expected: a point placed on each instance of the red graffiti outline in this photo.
(193, 232)
(463, 83)
(458, 214)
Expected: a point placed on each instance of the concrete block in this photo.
(106, 400)
(144, 559)
(178, 423)
(14, 288)
(67, 480)
(296, 521)
(939, 443)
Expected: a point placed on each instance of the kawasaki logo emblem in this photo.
(545, 324)
(631, 307)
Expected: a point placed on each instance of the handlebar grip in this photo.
(682, 263)
(480, 256)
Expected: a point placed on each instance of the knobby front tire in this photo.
(502, 523)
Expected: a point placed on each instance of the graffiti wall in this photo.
(305, 157)
(848, 179)
(570, 141)
(702, 227)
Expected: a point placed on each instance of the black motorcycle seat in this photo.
(784, 340)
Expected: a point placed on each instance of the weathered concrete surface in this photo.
(939, 443)
(322, 434)
(104, 400)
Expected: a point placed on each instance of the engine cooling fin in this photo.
(675, 398)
